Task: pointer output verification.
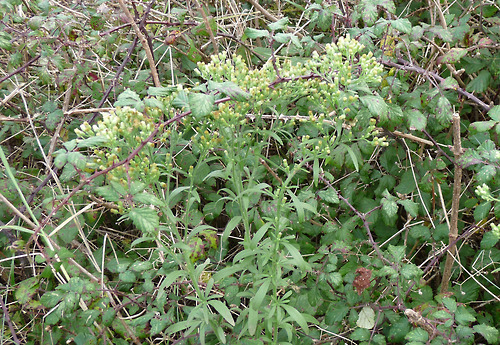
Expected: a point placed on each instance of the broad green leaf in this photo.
(480, 83)
(449, 83)
(53, 119)
(481, 211)
(489, 333)
(416, 120)
(148, 199)
(181, 101)
(161, 91)
(494, 113)
(490, 239)
(366, 318)
(330, 195)
(410, 271)
(223, 310)
(253, 319)
(450, 304)
(77, 159)
(418, 335)
(255, 33)
(94, 141)
(481, 126)
(420, 231)
(452, 56)
(140, 266)
(127, 277)
(279, 24)
(375, 104)
(230, 89)
(486, 173)
(108, 193)
(397, 252)
(402, 24)
(201, 104)
(463, 316)
(389, 207)
(61, 159)
(410, 206)
(145, 219)
(444, 113)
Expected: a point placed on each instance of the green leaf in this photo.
(402, 24)
(420, 231)
(481, 126)
(481, 211)
(480, 83)
(389, 208)
(490, 239)
(108, 193)
(409, 206)
(360, 334)
(463, 316)
(54, 118)
(375, 104)
(229, 89)
(366, 318)
(449, 83)
(140, 266)
(452, 56)
(94, 141)
(253, 319)
(161, 91)
(444, 113)
(450, 304)
(410, 271)
(416, 120)
(201, 104)
(145, 219)
(494, 113)
(397, 252)
(223, 310)
(297, 317)
(418, 334)
(148, 199)
(261, 293)
(181, 101)
(279, 24)
(330, 195)
(489, 333)
(255, 33)
(127, 277)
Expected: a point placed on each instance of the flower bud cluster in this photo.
(123, 130)
(483, 191)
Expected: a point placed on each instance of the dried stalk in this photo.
(144, 43)
(457, 188)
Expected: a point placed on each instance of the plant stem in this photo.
(457, 187)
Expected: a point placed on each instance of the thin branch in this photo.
(144, 43)
(457, 189)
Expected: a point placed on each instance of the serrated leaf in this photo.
(145, 219)
(255, 33)
(330, 195)
(410, 271)
(486, 173)
(444, 113)
(181, 101)
(140, 266)
(279, 24)
(481, 211)
(480, 83)
(494, 113)
(127, 277)
(54, 118)
(148, 199)
(397, 252)
(490, 239)
(449, 83)
(416, 120)
(489, 333)
(482, 126)
(375, 104)
(230, 89)
(452, 56)
(402, 24)
(450, 304)
(161, 91)
(108, 193)
(201, 104)
(94, 141)
(366, 318)
(409, 206)
(282, 37)
(418, 335)
(389, 207)
(223, 310)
